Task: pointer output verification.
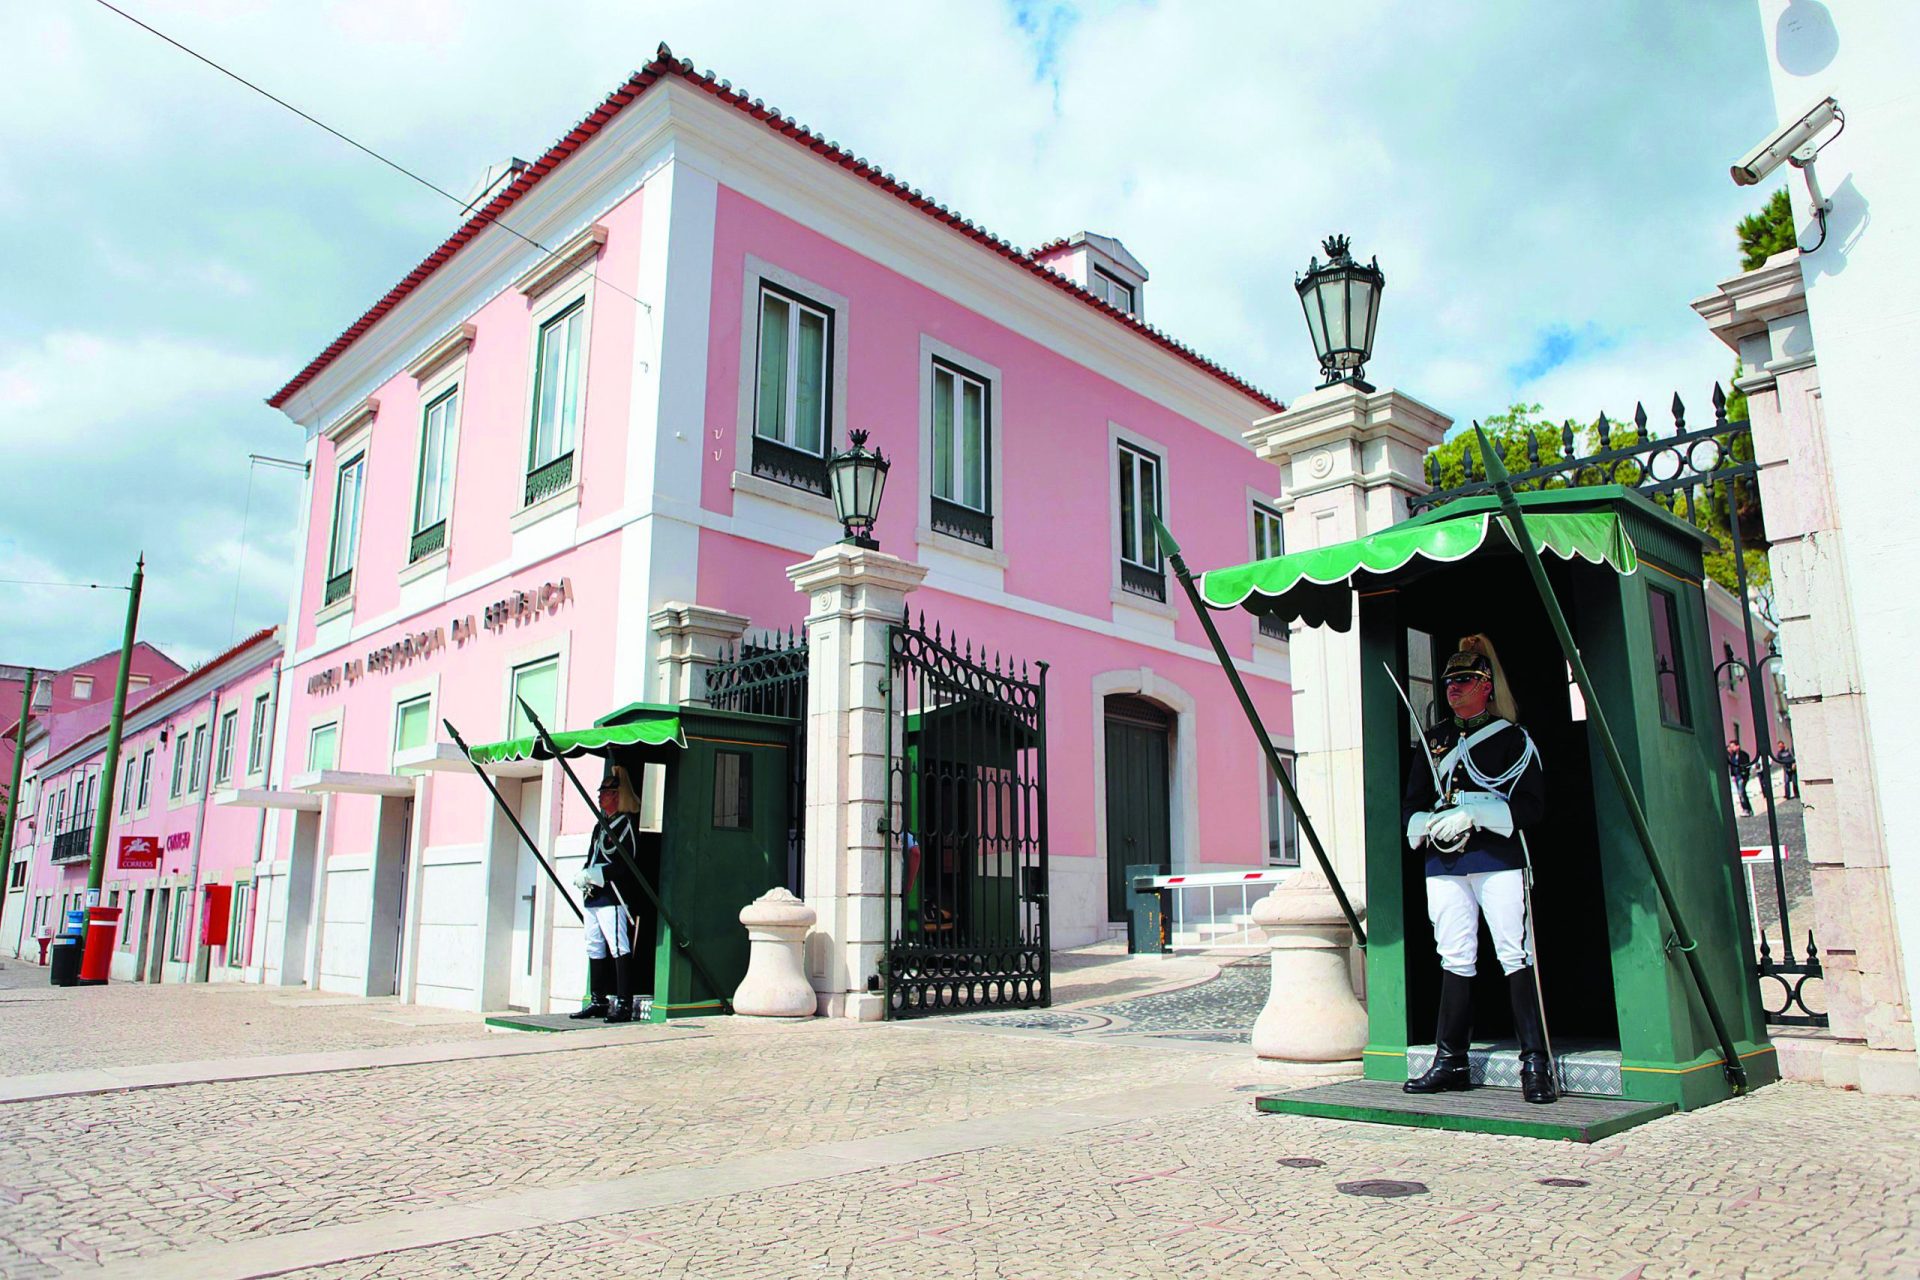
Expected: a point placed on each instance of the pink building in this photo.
(523, 456)
(179, 866)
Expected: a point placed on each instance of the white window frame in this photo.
(797, 306)
(1259, 508)
(332, 722)
(551, 299)
(447, 401)
(1162, 611)
(933, 350)
(197, 762)
(260, 732)
(126, 784)
(1273, 804)
(223, 748)
(176, 783)
(1146, 547)
(355, 459)
(756, 273)
(406, 697)
(87, 693)
(565, 430)
(146, 781)
(1112, 290)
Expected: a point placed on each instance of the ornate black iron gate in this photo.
(1689, 472)
(768, 677)
(966, 878)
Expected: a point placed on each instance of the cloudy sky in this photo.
(1545, 186)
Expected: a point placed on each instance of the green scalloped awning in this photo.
(1313, 586)
(650, 731)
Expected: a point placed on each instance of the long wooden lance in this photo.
(1497, 476)
(1172, 551)
(680, 937)
(514, 818)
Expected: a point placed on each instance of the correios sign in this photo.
(515, 610)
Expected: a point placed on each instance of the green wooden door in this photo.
(1139, 824)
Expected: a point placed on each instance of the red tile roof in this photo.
(69, 729)
(663, 65)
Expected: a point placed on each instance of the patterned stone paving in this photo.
(1229, 1193)
(1793, 1181)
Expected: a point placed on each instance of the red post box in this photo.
(103, 923)
(216, 903)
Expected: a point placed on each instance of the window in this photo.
(179, 782)
(197, 772)
(223, 755)
(83, 687)
(262, 729)
(413, 723)
(56, 812)
(323, 742)
(78, 818)
(19, 875)
(790, 410)
(85, 816)
(146, 775)
(1140, 570)
(1269, 541)
(126, 785)
(1112, 290)
(539, 684)
(433, 495)
(556, 404)
(732, 791)
(961, 444)
(1664, 613)
(237, 924)
(138, 682)
(1283, 825)
(346, 527)
(182, 913)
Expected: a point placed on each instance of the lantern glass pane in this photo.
(1333, 299)
(879, 487)
(1316, 323)
(841, 474)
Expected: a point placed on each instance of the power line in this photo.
(395, 165)
(38, 582)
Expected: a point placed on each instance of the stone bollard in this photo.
(1311, 1016)
(776, 984)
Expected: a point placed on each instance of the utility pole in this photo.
(103, 813)
(13, 793)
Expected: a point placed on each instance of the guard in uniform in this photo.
(1490, 791)
(608, 889)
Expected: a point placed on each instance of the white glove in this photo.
(1447, 828)
(1417, 829)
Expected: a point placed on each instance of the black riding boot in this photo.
(599, 978)
(623, 968)
(1536, 1068)
(1451, 1039)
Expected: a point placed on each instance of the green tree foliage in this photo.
(1510, 432)
(1767, 232)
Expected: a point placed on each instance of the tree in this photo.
(1767, 232)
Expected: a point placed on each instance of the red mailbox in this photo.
(97, 959)
(217, 906)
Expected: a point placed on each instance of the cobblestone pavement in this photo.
(1228, 1193)
(46, 1028)
(934, 1149)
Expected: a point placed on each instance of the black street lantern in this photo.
(858, 477)
(1342, 302)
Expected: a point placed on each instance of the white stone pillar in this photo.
(1349, 460)
(776, 984)
(1312, 1018)
(856, 597)
(692, 637)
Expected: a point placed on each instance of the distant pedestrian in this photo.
(1740, 766)
(1784, 757)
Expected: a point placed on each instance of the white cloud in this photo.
(1517, 167)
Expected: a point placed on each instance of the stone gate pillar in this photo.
(692, 638)
(855, 597)
(1349, 460)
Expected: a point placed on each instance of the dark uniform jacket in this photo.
(1493, 756)
(610, 835)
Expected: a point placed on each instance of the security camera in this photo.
(1789, 142)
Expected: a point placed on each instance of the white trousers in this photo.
(609, 931)
(1455, 905)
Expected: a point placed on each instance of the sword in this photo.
(1439, 792)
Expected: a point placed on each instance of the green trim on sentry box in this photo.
(1500, 1111)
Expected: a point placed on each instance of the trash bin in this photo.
(1146, 912)
(96, 958)
(64, 961)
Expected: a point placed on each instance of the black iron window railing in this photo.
(962, 522)
(338, 586)
(1273, 628)
(788, 465)
(429, 540)
(73, 846)
(1142, 581)
(549, 478)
